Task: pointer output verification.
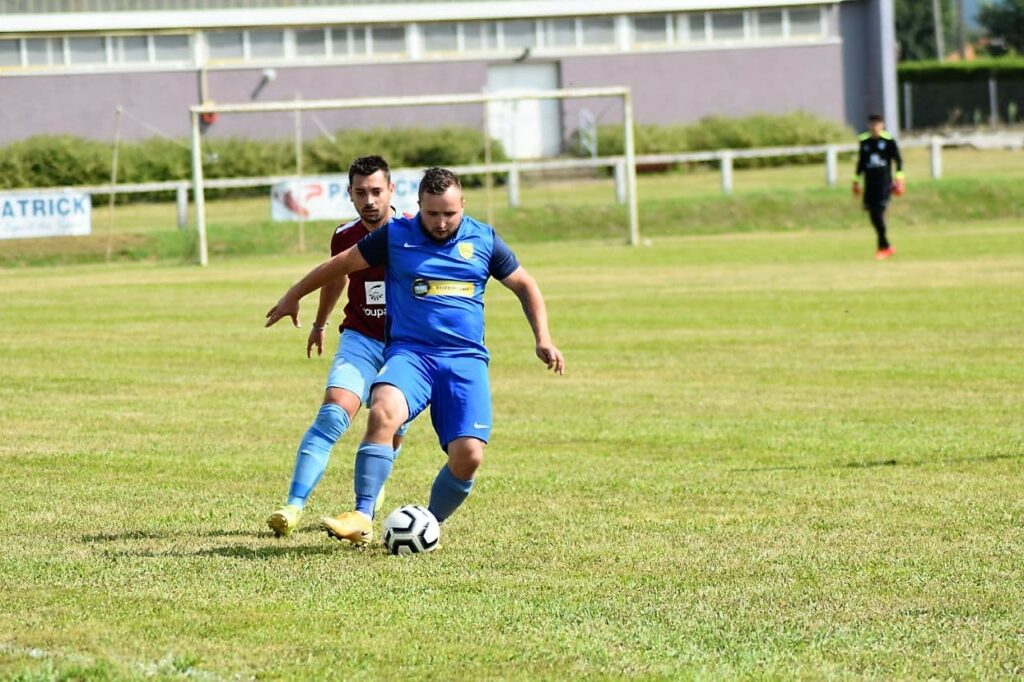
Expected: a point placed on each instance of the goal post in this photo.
(199, 110)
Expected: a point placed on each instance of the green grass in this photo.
(976, 185)
(772, 457)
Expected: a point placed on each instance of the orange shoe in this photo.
(882, 254)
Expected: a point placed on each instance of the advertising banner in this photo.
(325, 197)
(57, 213)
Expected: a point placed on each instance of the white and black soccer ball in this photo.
(411, 530)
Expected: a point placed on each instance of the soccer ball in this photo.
(411, 530)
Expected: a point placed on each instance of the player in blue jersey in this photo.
(437, 266)
(360, 349)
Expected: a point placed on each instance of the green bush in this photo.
(719, 132)
(56, 161)
(977, 69)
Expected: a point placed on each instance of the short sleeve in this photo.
(374, 247)
(503, 261)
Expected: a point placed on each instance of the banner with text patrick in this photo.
(325, 197)
(45, 214)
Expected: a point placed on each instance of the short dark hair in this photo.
(437, 181)
(367, 166)
(875, 118)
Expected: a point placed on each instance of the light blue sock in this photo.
(447, 493)
(314, 451)
(373, 466)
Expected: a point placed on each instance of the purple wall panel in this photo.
(377, 80)
(84, 104)
(681, 87)
(670, 87)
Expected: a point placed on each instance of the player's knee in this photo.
(464, 458)
(346, 400)
(384, 416)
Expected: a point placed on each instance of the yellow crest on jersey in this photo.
(466, 250)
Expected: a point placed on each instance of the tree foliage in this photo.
(1004, 20)
(915, 28)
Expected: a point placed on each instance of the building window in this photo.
(805, 22)
(693, 27)
(266, 44)
(357, 41)
(727, 26)
(480, 36)
(650, 30)
(37, 51)
(132, 49)
(310, 43)
(172, 48)
(561, 33)
(87, 50)
(388, 39)
(226, 44)
(441, 37)
(598, 31)
(519, 34)
(769, 24)
(340, 40)
(10, 53)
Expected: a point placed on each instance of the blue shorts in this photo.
(355, 365)
(457, 389)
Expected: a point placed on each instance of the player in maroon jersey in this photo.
(361, 350)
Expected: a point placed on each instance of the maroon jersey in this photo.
(364, 311)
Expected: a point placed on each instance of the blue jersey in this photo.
(435, 290)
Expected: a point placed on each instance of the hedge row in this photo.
(717, 132)
(978, 69)
(53, 161)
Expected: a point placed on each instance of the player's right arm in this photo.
(859, 171)
(348, 261)
(329, 295)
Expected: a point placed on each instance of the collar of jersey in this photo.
(430, 240)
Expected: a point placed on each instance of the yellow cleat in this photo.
(352, 526)
(284, 520)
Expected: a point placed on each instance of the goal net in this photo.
(624, 164)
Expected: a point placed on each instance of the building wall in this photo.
(684, 87)
(668, 87)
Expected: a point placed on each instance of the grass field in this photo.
(977, 185)
(771, 457)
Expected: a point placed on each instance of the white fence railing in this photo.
(512, 169)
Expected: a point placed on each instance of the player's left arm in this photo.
(526, 289)
(896, 157)
(899, 180)
(332, 270)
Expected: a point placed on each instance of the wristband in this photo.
(321, 327)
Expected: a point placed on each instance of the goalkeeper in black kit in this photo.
(878, 152)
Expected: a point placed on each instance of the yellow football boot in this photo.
(284, 520)
(352, 526)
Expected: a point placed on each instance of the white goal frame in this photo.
(199, 110)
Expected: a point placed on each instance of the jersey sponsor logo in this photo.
(375, 313)
(375, 294)
(466, 250)
(442, 287)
